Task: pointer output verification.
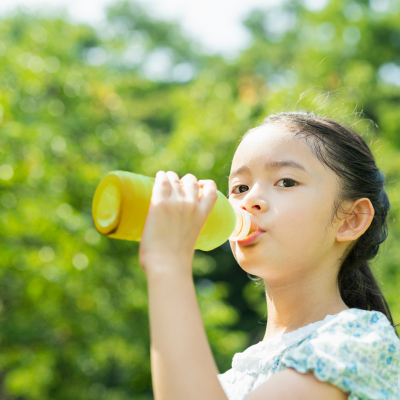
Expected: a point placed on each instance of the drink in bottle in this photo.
(122, 200)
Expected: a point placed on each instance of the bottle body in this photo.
(121, 204)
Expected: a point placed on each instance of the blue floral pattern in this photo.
(356, 350)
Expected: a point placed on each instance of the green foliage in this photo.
(76, 103)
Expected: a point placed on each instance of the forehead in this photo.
(275, 142)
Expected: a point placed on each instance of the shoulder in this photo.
(366, 334)
(358, 351)
(355, 320)
(359, 326)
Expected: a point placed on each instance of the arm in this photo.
(291, 385)
(183, 367)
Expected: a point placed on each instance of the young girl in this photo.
(321, 206)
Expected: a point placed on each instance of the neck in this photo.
(301, 301)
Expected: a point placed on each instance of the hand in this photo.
(174, 221)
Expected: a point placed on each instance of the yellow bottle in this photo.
(122, 200)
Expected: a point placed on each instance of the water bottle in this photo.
(121, 203)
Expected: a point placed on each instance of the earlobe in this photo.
(356, 220)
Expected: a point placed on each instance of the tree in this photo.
(137, 95)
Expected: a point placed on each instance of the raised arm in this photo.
(183, 367)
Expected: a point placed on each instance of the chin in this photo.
(263, 269)
(249, 254)
(257, 269)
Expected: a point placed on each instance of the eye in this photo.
(287, 183)
(241, 189)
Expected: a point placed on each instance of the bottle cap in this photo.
(106, 209)
(246, 224)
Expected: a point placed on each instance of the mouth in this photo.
(251, 239)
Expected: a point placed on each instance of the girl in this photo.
(321, 206)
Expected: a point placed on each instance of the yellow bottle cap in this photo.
(107, 204)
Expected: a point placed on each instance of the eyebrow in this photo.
(269, 165)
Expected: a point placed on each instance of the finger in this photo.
(162, 187)
(209, 196)
(202, 182)
(190, 186)
(175, 183)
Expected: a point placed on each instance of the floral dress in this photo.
(356, 350)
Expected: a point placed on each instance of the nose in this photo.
(253, 201)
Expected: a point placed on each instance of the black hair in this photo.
(346, 153)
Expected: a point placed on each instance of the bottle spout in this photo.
(246, 224)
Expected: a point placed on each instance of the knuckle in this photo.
(210, 183)
(190, 177)
(165, 183)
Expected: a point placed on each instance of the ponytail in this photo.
(359, 289)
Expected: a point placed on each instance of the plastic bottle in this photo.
(122, 200)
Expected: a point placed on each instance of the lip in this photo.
(251, 239)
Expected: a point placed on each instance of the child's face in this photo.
(293, 206)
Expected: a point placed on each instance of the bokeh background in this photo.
(138, 93)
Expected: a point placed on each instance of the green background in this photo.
(76, 103)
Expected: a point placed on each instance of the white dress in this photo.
(355, 350)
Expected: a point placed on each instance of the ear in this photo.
(356, 220)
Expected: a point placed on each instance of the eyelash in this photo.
(284, 179)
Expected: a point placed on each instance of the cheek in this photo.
(234, 202)
(298, 224)
(291, 213)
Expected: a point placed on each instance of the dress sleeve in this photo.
(358, 352)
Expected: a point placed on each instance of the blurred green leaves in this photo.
(137, 95)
